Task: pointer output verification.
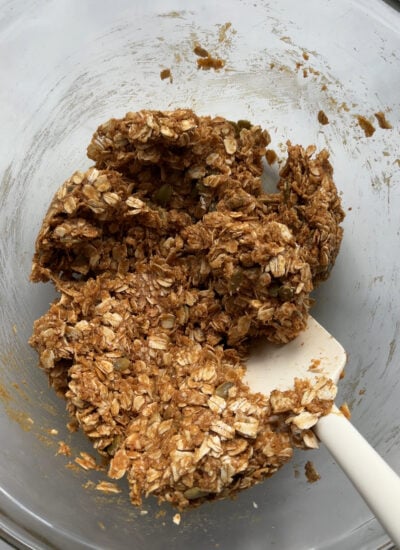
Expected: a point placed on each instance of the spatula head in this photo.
(313, 353)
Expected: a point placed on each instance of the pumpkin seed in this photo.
(223, 389)
(286, 293)
(122, 363)
(163, 194)
(114, 446)
(195, 492)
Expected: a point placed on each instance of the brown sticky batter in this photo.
(169, 258)
(383, 123)
(322, 118)
(366, 125)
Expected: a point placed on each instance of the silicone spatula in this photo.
(276, 366)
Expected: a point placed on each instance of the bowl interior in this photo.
(71, 66)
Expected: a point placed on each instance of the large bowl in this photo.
(65, 67)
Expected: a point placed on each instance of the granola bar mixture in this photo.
(169, 259)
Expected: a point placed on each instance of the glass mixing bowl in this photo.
(68, 66)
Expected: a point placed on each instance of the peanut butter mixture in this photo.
(169, 259)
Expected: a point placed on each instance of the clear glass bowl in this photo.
(68, 66)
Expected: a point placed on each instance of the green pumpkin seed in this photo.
(286, 293)
(195, 492)
(163, 195)
(122, 363)
(114, 446)
(223, 389)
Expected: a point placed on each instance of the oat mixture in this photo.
(169, 258)
(206, 61)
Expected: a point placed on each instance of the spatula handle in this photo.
(377, 483)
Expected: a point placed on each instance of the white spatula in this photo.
(276, 366)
